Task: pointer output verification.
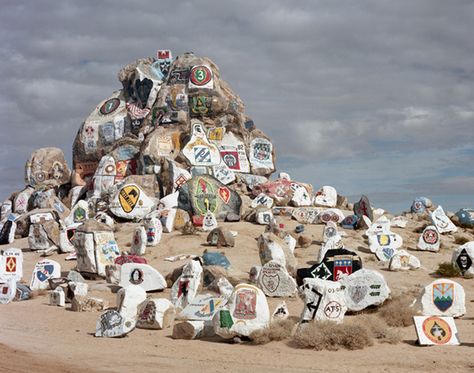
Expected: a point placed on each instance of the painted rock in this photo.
(6, 210)
(329, 230)
(279, 190)
(436, 331)
(66, 236)
(88, 304)
(270, 247)
(23, 292)
(335, 265)
(155, 314)
(181, 219)
(301, 196)
(130, 202)
(139, 240)
(363, 208)
(399, 221)
(350, 222)
(167, 218)
(44, 270)
(47, 166)
(306, 215)
(57, 297)
(7, 230)
(323, 300)
(209, 222)
(7, 291)
(385, 245)
(403, 261)
(205, 193)
(130, 258)
(95, 246)
(246, 312)
(203, 307)
(233, 154)
(261, 156)
(332, 214)
(44, 236)
(254, 273)
(112, 324)
(365, 288)
(79, 213)
(466, 218)
(20, 203)
(275, 281)
(142, 275)
(186, 286)
(326, 196)
(333, 243)
(381, 225)
(128, 300)
(429, 239)
(104, 176)
(223, 173)
(199, 151)
(252, 180)
(264, 217)
(153, 229)
(463, 258)
(11, 265)
(281, 312)
(442, 222)
(443, 298)
(420, 204)
(220, 238)
(262, 200)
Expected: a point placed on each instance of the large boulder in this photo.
(47, 167)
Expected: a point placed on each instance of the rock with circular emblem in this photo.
(429, 239)
(332, 214)
(142, 275)
(463, 258)
(275, 281)
(47, 167)
(112, 324)
(442, 222)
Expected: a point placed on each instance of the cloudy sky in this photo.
(373, 97)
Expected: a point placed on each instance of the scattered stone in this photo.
(261, 155)
(81, 303)
(326, 196)
(112, 324)
(129, 258)
(301, 196)
(44, 270)
(429, 240)
(262, 200)
(332, 214)
(437, 331)
(139, 241)
(23, 292)
(350, 222)
(128, 300)
(463, 258)
(466, 218)
(11, 265)
(215, 259)
(329, 230)
(333, 243)
(186, 287)
(399, 221)
(271, 247)
(306, 215)
(363, 208)
(75, 277)
(281, 312)
(57, 297)
(7, 291)
(380, 226)
(275, 281)
(155, 314)
(181, 219)
(78, 215)
(203, 307)
(112, 274)
(264, 217)
(442, 222)
(254, 273)
(403, 261)
(190, 329)
(153, 229)
(142, 275)
(221, 238)
(420, 204)
(299, 228)
(385, 245)
(443, 298)
(167, 219)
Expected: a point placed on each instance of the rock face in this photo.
(47, 167)
(463, 258)
(429, 239)
(323, 300)
(246, 311)
(44, 270)
(443, 298)
(403, 261)
(142, 275)
(155, 314)
(364, 288)
(442, 222)
(275, 281)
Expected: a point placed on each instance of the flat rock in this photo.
(429, 240)
(385, 245)
(463, 258)
(442, 222)
(403, 261)
(264, 216)
(275, 281)
(155, 314)
(436, 331)
(203, 307)
(306, 215)
(44, 270)
(57, 297)
(142, 275)
(86, 303)
(381, 225)
(443, 297)
(301, 195)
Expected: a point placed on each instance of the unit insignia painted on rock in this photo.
(443, 296)
(128, 197)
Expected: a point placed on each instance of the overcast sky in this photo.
(373, 97)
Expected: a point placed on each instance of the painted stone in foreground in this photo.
(435, 330)
(112, 324)
(463, 258)
(442, 222)
(403, 261)
(275, 281)
(429, 240)
(155, 314)
(443, 298)
(11, 265)
(44, 270)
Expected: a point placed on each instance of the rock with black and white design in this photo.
(79, 213)
(326, 196)
(329, 230)
(429, 240)
(221, 238)
(130, 202)
(153, 229)
(187, 285)
(47, 167)
(443, 297)
(246, 312)
(139, 240)
(442, 222)
(209, 222)
(385, 245)
(262, 200)
(8, 229)
(333, 243)
(364, 288)
(11, 265)
(261, 155)
(381, 225)
(66, 235)
(128, 300)
(306, 215)
(6, 210)
(112, 324)
(57, 297)
(264, 216)
(332, 214)
(281, 312)
(44, 270)
(301, 196)
(142, 275)
(7, 291)
(199, 151)
(403, 261)
(155, 314)
(322, 300)
(223, 173)
(275, 281)
(463, 258)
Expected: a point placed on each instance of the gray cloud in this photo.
(340, 86)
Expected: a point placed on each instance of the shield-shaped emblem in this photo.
(388, 252)
(245, 304)
(383, 239)
(224, 193)
(443, 295)
(342, 267)
(270, 282)
(10, 264)
(128, 197)
(358, 292)
(45, 273)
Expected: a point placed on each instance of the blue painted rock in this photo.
(350, 222)
(420, 204)
(215, 259)
(466, 218)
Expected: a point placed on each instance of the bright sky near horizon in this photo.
(372, 97)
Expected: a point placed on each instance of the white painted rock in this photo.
(381, 225)
(57, 297)
(463, 258)
(153, 229)
(385, 245)
(65, 236)
(20, 203)
(199, 151)
(330, 230)
(233, 153)
(112, 324)
(79, 213)
(246, 311)
(443, 298)
(186, 286)
(104, 177)
(442, 222)
(429, 240)
(264, 217)
(436, 331)
(128, 300)
(130, 202)
(209, 222)
(167, 219)
(262, 200)
(155, 314)
(323, 300)
(301, 196)
(364, 288)
(334, 243)
(43, 271)
(331, 214)
(7, 291)
(403, 261)
(326, 196)
(281, 312)
(306, 215)
(261, 156)
(203, 307)
(399, 221)
(142, 275)
(38, 238)
(11, 265)
(270, 250)
(275, 281)
(223, 173)
(139, 240)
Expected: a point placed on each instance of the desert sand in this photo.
(36, 337)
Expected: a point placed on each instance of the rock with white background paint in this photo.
(429, 240)
(326, 196)
(443, 297)
(155, 314)
(403, 261)
(442, 222)
(463, 258)
(142, 275)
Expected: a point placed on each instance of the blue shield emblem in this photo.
(443, 295)
(45, 273)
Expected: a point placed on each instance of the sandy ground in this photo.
(40, 338)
